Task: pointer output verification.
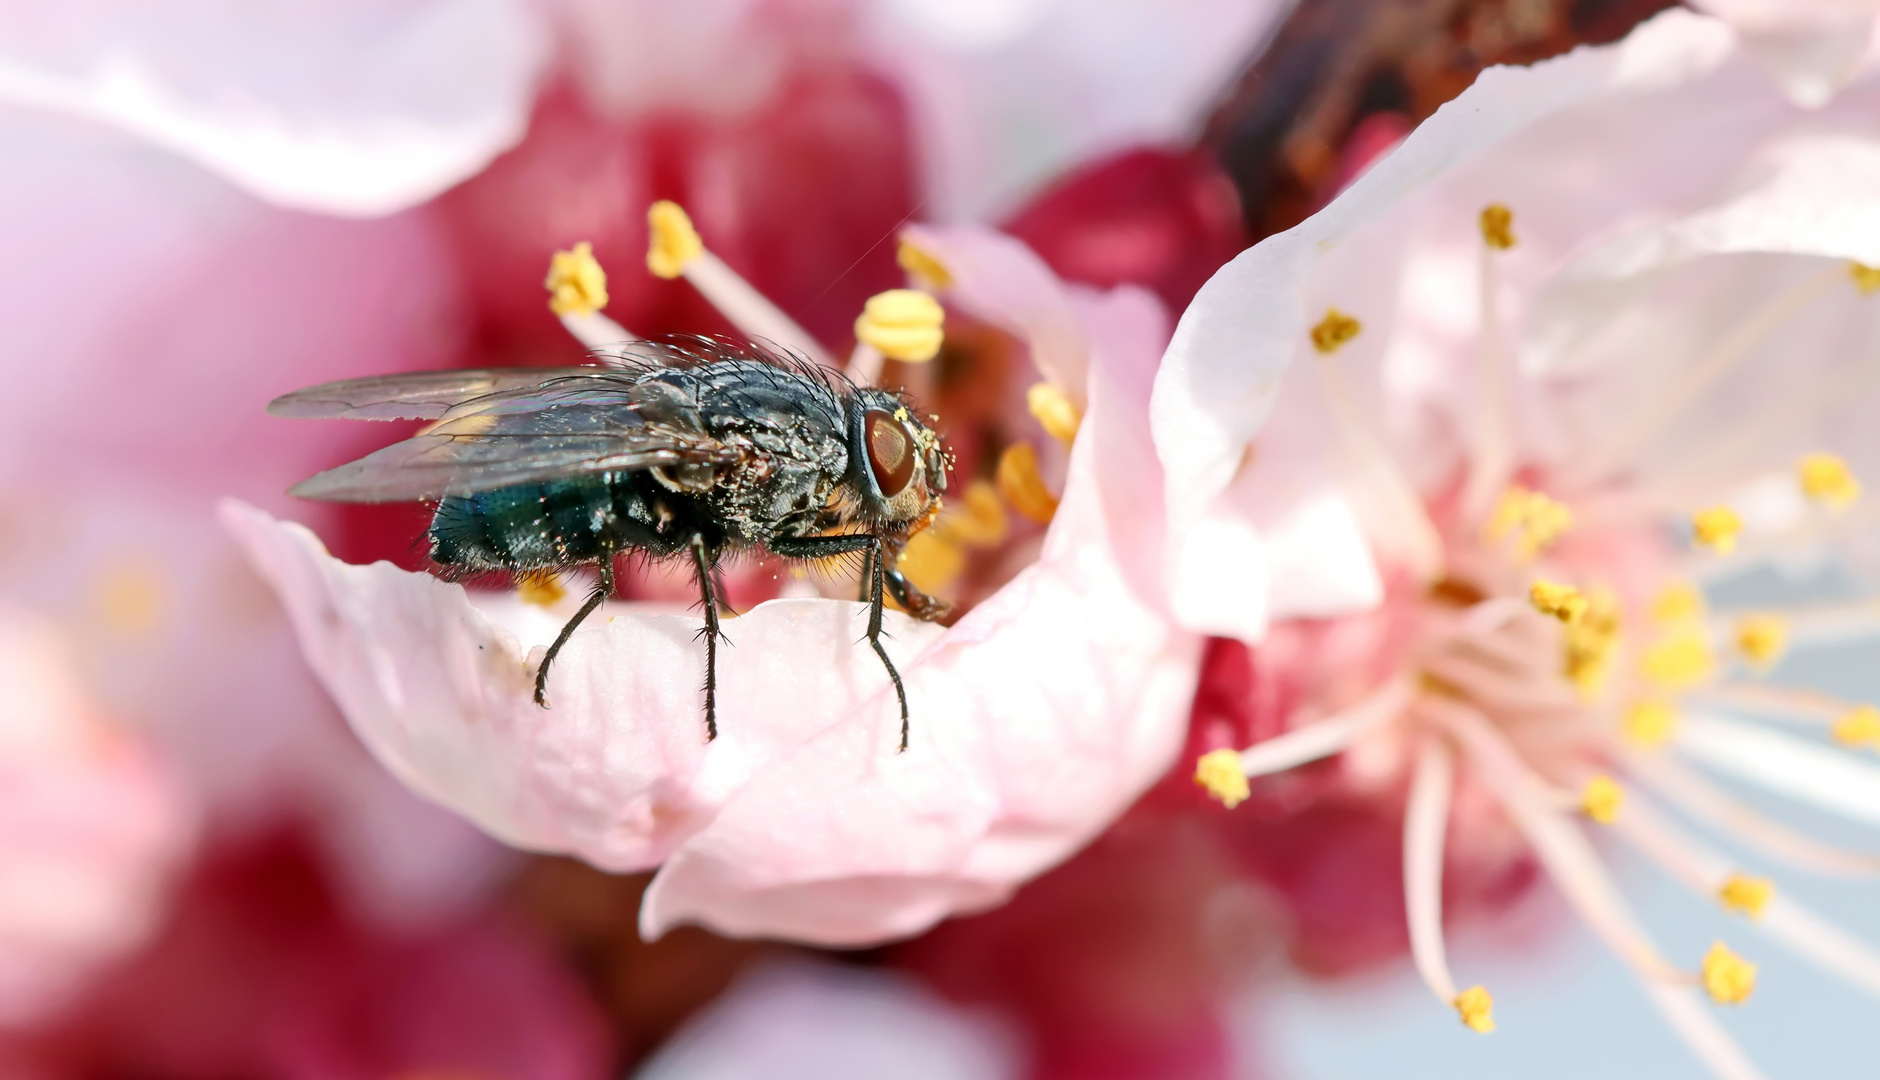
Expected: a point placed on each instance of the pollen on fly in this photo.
(695, 449)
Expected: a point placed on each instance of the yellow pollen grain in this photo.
(1602, 798)
(1742, 894)
(1678, 602)
(1334, 330)
(1476, 1008)
(1716, 528)
(1866, 278)
(1563, 602)
(1858, 726)
(1498, 226)
(1827, 480)
(576, 283)
(1650, 724)
(1591, 642)
(1219, 772)
(1728, 978)
(924, 269)
(1762, 639)
(1022, 486)
(543, 590)
(674, 243)
(905, 324)
(1053, 411)
(1679, 660)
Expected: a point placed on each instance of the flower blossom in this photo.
(1037, 716)
(92, 827)
(1812, 47)
(1477, 433)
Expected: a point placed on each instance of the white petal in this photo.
(344, 106)
(1813, 47)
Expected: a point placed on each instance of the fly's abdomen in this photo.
(527, 527)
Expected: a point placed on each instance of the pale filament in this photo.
(1722, 357)
(1409, 524)
(1822, 776)
(1426, 819)
(600, 335)
(1325, 737)
(1706, 802)
(749, 310)
(1704, 872)
(1493, 459)
(865, 364)
(1828, 624)
(1776, 702)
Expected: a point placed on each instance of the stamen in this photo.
(1745, 895)
(543, 589)
(1218, 771)
(1859, 726)
(1334, 330)
(905, 324)
(1825, 777)
(1498, 226)
(1762, 639)
(1426, 820)
(1563, 602)
(1679, 660)
(1054, 411)
(1708, 803)
(1327, 736)
(1716, 528)
(1650, 724)
(1591, 642)
(675, 250)
(1407, 533)
(577, 291)
(1601, 799)
(1476, 1009)
(1678, 602)
(924, 269)
(1493, 454)
(1022, 486)
(1535, 520)
(1728, 978)
(1866, 278)
(1827, 480)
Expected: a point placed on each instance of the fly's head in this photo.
(896, 463)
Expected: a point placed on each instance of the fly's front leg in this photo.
(602, 590)
(820, 547)
(708, 596)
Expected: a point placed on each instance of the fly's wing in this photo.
(418, 395)
(538, 438)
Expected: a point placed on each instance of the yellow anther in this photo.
(1591, 642)
(905, 324)
(1334, 330)
(935, 557)
(1053, 411)
(576, 283)
(931, 562)
(1219, 772)
(1858, 726)
(1563, 602)
(1745, 895)
(1681, 659)
(1866, 278)
(1728, 978)
(1022, 486)
(542, 590)
(131, 595)
(1535, 519)
(1678, 602)
(674, 242)
(923, 268)
(1826, 479)
(1498, 226)
(1602, 798)
(1762, 638)
(1476, 1008)
(1650, 724)
(1716, 528)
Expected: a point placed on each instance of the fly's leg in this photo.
(868, 575)
(718, 586)
(602, 590)
(918, 604)
(821, 547)
(708, 596)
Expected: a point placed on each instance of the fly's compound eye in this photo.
(890, 452)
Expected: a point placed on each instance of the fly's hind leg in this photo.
(875, 581)
(703, 564)
(602, 590)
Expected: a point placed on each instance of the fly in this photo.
(693, 450)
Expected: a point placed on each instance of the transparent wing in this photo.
(421, 395)
(480, 451)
